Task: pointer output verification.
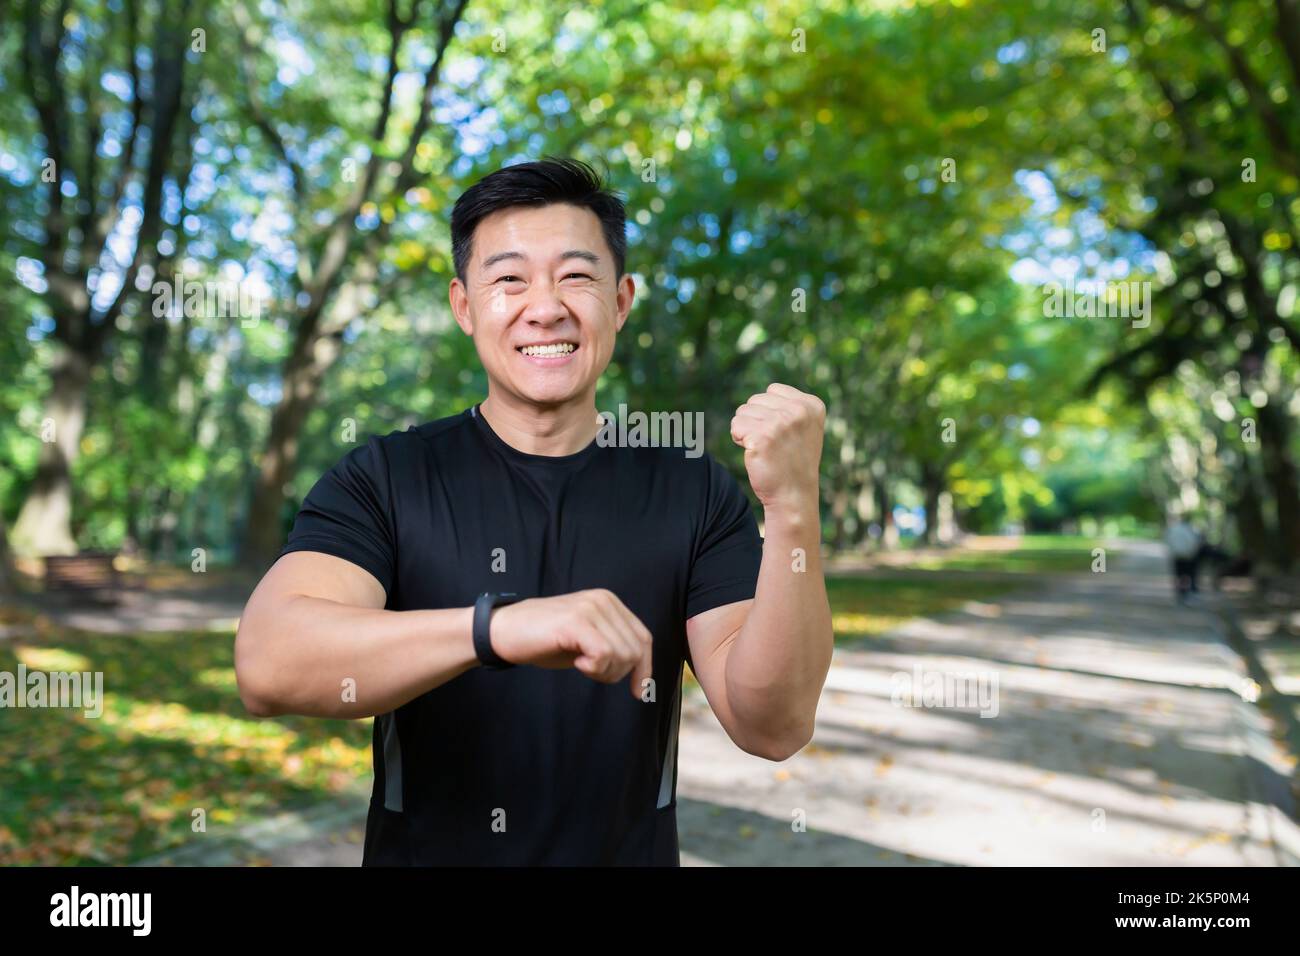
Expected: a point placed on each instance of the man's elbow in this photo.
(778, 748)
(254, 696)
(255, 691)
(257, 706)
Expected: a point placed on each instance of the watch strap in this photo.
(482, 629)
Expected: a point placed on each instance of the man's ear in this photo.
(623, 300)
(459, 299)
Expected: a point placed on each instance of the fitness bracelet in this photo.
(482, 639)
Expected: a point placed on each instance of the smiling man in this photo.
(513, 599)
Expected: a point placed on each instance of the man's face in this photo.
(542, 302)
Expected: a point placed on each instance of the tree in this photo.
(87, 111)
(338, 263)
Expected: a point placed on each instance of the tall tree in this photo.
(338, 263)
(85, 199)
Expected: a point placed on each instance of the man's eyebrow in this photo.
(498, 257)
(581, 254)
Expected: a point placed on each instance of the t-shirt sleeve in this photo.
(729, 550)
(347, 514)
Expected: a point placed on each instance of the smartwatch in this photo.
(482, 639)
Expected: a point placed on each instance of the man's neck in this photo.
(549, 430)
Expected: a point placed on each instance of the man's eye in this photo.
(509, 279)
(580, 275)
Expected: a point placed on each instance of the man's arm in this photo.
(315, 621)
(762, 663)
(315, 627)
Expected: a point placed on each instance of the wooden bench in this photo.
(90, 574)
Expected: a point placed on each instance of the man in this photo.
(484, 583)
(1185, 549)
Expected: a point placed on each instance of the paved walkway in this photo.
(137, 610)
(1122, 736)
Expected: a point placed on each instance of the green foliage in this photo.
(843, 215)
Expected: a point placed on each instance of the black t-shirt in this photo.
(526, 765)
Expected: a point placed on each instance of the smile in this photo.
(548, 354)
(558, 348)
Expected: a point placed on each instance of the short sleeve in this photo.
(728, 551)
(348, 514)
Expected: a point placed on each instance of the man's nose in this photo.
(545, 305)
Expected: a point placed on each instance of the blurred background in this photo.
(1040, 260)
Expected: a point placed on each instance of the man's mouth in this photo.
(548, 353)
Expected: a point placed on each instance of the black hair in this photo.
(540, 183)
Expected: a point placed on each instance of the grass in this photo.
(1032, 554)
(173, 738)
(862, 606)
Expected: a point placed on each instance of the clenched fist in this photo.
(781, 431)
(592, 631)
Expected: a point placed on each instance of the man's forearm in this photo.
(315, 657)
(777, 665)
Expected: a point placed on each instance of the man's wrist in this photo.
(794, 516)
(484, 608)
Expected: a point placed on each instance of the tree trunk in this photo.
(6, 561)
(1280, 473)
(44, 524)
(932, 485)
(840, 513)
(303, 375)
(1248, 513)
(884, 508)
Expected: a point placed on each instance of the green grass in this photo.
(1056, 542)
(1035, 554)
(173, 738)
(862, 606)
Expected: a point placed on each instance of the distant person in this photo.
(1185, 546)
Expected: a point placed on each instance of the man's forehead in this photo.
(538, 217)
(531, 232)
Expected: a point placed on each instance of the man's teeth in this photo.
(564, 348)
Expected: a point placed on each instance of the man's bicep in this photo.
(709, 636)
(319, 575)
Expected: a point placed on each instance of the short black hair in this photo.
(541, 183)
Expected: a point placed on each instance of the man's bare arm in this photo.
(316, 622)
(315, 640)
(762, 663)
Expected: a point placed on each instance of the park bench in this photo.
(89, 574)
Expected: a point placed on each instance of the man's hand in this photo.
(781, 431)
(590, 630)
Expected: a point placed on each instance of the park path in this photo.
(1122, 737)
